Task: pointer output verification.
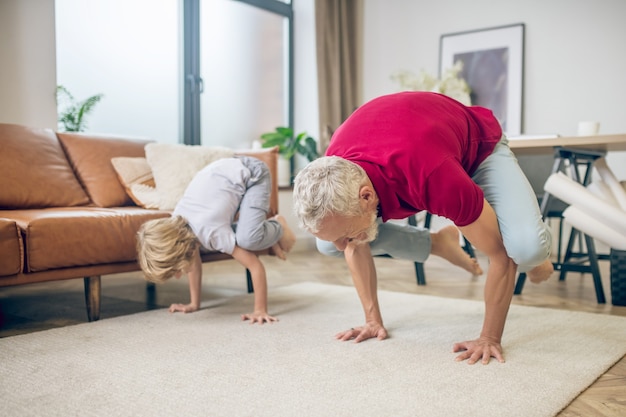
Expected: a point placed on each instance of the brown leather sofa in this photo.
(64, 213)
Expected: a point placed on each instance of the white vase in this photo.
(284, 172)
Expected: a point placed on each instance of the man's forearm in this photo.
(498, 294)
(361, 265)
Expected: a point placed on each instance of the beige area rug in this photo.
(211, 364)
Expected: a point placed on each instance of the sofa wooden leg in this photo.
(93, 287)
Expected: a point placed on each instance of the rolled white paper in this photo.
(611, 180)
(599, 188)
(594, 228)
(573, 193)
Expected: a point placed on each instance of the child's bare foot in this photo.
(541, 272)
(288, 239)
(278, 251)
(445, 243)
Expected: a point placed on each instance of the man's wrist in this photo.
(374, 322)
(492, 339)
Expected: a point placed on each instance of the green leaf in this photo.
(285, 131)
(72, 117)
(288, 145)
(272, 136)
(274, 141)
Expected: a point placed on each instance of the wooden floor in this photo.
(38, 307)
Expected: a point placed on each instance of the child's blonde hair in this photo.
(164, 247)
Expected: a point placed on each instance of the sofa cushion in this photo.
(90, 156)
(34, 171)
(174, 166)
(77, 236)
(11, 259)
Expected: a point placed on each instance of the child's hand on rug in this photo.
(258, 317)
(184, 308)
(475, 350)
(359, 334)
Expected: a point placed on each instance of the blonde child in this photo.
(205, 219)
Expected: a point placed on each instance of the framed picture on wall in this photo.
(493, 67)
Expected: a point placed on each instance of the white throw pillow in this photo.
(174, 166)
(148, 196)
(136, 176)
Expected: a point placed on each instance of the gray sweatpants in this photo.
(253, 231)
(526, 237)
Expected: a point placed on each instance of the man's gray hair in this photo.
(328, 185)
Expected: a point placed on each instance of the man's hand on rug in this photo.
(183, 308)
(258, 317)
(479, 349)
(359, 334)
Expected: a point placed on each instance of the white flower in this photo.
(450, 84)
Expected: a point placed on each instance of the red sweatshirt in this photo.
(420, 149)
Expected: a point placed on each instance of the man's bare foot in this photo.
(445, 243)
(288, 239)
(541, 272)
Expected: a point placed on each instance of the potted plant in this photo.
(288, 146)
(72, 117)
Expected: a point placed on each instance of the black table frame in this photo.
(569, 161)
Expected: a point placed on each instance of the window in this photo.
(211, 72)
(245, 72)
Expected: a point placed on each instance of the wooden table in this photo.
(605, 143)
(574, 152)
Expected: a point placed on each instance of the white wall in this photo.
(27, 56)
(574, 55)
